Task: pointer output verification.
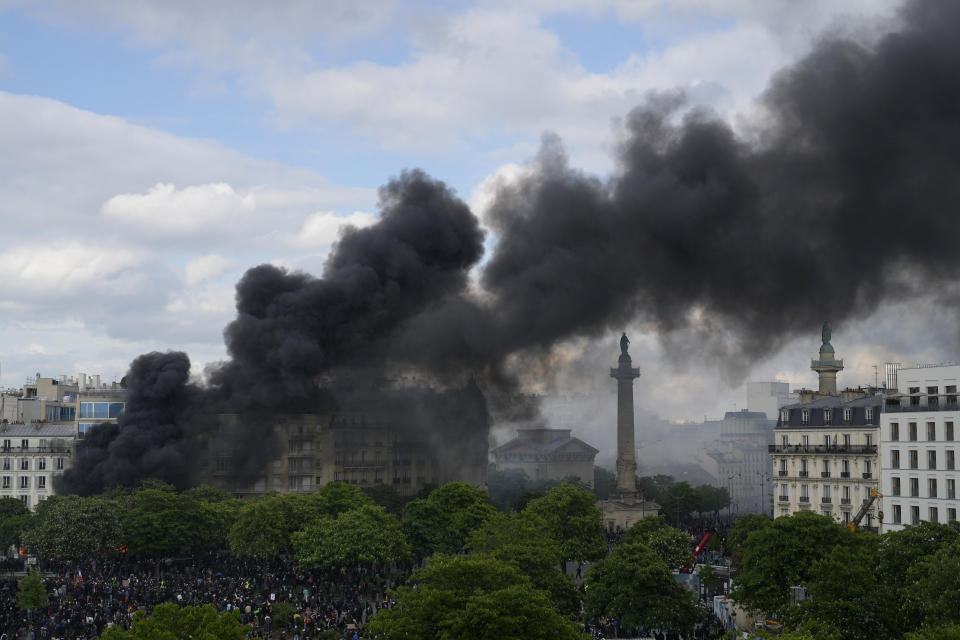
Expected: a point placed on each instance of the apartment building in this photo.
(918, 447)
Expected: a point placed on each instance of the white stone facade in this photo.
(30, 457)
(918, 447)
(827, 468)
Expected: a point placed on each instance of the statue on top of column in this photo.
(624, 343)
(825, 334)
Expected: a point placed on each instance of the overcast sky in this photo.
(154, 150)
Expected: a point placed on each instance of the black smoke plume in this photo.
(843, 195)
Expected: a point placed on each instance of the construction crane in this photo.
(874, 495)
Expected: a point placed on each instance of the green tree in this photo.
(782, 555)
(743, 526)
(425, 528)
(709, 499)
(75, 528)
(847, 600)
(170, 622)
(32, 594)
(671, 545)
(573, 520)
(931, 597)
(261, 530)
(442, 521)
(653, 487)
(677, 500)
(163, 522)
(335, 498)
(523, 541)
(635, 587)
(14, 519)
(473, 597)
(365, 536)
(937, 633)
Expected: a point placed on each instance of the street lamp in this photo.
(764, 478)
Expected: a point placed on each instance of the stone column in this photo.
(625, 374)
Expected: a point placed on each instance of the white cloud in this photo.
(206, 268)
(323, 228)
(71, 270)
(163, 209)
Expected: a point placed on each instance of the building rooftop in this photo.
(38, 430)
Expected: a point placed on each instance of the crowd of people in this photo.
(272, 599)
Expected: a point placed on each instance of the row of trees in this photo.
(511, 489)
(860, 585)
(488, 572)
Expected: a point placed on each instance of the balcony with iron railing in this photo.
(826, 500)
(851, 449)
(18, 451)
(925, 403)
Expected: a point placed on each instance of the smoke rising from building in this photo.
(842, 195)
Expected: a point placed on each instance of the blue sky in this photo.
(155, 149)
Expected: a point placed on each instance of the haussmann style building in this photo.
(825, 451)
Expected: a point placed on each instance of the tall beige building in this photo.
(825, 450)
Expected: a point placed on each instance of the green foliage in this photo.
(442, 521)
(475, 597)
(260, 530)
(163, 522)
(366, 536)
(671, 545)
(938, 633)
(902, 550)
(335, 498)
(425, 527)
(170, 622)
(12, 508)
(523, 541)
(677, 500)
(931, 596)
(282, 612)
(15, 518)
(654, 487)
(208, 494)
(75, 528)
(604, 482)
(743, 526)
(710, 579)
(634, 586)
(848, 602)
(32, 593)
(708, 499)
(573, 520)
(783, 554)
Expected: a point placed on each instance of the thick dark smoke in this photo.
(842, 196)
(150, 439)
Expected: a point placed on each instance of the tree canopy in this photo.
(573, 520)
(633, 586)
(171, 622)
(471, 597)
(365, 536)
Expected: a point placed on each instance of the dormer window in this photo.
(848, 415)
(805, 416)
(827, 416)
